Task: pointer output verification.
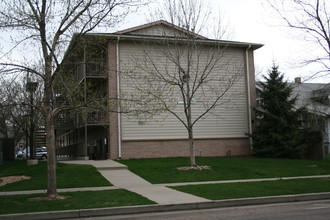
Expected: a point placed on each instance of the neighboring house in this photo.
(315, 97)
(106, 59)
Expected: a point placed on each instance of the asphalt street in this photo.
(311, 210)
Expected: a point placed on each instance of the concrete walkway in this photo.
(121, 177)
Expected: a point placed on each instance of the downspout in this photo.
(85, 99)
(249, 95)
(118, 96)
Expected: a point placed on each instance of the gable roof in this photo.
(139, 33)
(161, 23)
(315, 97)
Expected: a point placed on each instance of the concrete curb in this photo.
(165, 208)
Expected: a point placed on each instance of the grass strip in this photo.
(257, 189)
(68, 176)
(164, 170)
(77, 200)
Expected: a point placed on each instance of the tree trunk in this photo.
(51, 158)
(189, 122)
(191, 147)
(50, 128)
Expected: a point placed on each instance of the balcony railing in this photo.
(63, 121)
(94, 118)
(90, 69)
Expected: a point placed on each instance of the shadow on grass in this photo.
(76, 200)
(68, 176)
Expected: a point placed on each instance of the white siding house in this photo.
(141, 127)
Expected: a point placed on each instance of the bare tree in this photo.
(16, 108)
(48, 25)
(4, 111)
(197, 16)
(312, 19)
(181, 74)
(12, 95)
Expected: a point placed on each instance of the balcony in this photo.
(63, 121)
(94, 118)
(90, 69)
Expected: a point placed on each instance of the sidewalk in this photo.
(121, 177)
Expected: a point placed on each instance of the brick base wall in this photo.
(180, 148)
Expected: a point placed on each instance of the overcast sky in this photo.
(254, 22)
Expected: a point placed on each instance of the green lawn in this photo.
(77, 200)
(68, 176)
(257, 189)
(163, 170)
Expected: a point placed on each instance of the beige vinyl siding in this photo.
(159, 30)
(227, 120)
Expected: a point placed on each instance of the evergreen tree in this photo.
(278, 132)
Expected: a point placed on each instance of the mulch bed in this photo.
(194, 168)
(12, 179)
